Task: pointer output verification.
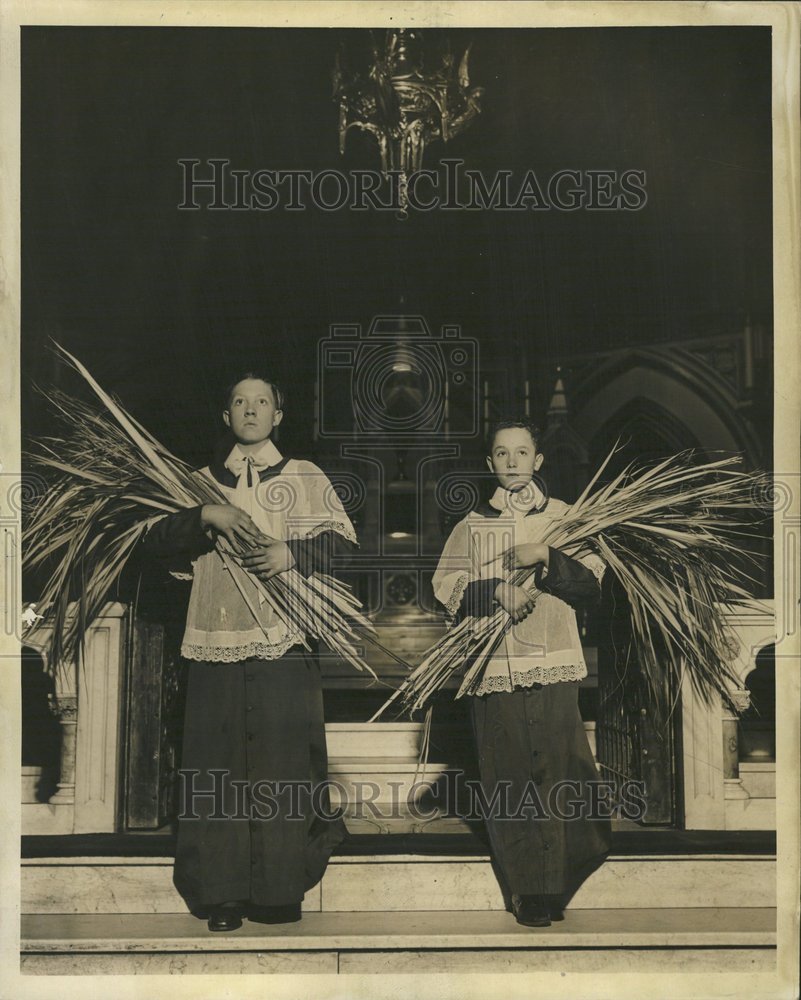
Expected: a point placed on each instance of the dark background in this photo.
(159, 302)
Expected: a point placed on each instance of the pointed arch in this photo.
(692, 396)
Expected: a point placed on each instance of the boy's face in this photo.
(514, 457)
(251, 412)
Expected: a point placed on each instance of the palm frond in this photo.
(109, 481)
(672, 534)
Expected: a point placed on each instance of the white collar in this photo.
(518, 502)
(264, 457)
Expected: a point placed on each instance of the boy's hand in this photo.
(267, 558)
(517, 602)
(525, 555)
(231, 522)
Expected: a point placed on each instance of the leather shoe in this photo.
(532, 911)
(227, 917)
(555, 909)
(287, 914)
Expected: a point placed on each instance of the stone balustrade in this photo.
(715, 794)
(89, 704)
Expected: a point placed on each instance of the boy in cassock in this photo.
(528, 731)
(254, 710)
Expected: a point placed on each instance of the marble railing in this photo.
(715, 797)
(89, 705)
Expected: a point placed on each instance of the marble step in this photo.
(759, 779)
(384, 793)
(407, 883)
(387, 739)
(398, 739)
(377, 776)
(698, 940)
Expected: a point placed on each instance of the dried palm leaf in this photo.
(110, 480)
(672, 533)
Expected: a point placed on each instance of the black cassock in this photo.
(248, 725)
(536, 735)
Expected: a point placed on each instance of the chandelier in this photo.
(403, 107)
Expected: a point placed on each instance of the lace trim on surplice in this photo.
(338, 526)
(255, 650)
(536, 675)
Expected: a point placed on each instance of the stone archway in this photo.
(674, 381)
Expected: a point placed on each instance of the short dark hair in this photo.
(278, 392)
(524, 423)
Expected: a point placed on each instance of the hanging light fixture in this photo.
(401, 105)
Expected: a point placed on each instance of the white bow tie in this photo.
(246, 468)
(517, 502)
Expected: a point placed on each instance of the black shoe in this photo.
(532, 911)
(226, 917)
(555, 909)
(287, 914)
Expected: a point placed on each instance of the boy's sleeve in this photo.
(321, 552)
(457, 581)
(478, 599)
(577, 582)
(177, 535)
(324, 535)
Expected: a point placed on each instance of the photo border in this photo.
(783, 18)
